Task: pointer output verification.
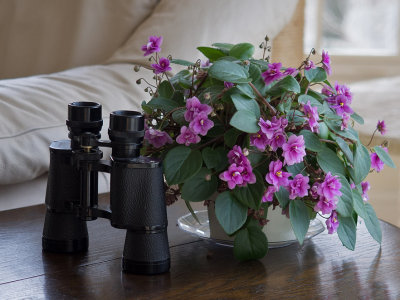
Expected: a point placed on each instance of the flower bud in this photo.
(146, 90)
(208, 177)
(246, 152)
(207, 96)
(139, 81)
(246, 62)
(136, 68)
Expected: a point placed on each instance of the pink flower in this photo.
(325, 205)
(273, 73)
(201, 124)
(342, 89)
(248, 175)
(205, 64)
(187, 137)
(327, 91)
(157, 138)
(270, 126)
(326, 62)
(332, 223)
(276, 176)
(330, 187)
(345, 121)
(312, 116)
(236, 156)
(233, 176)
(365, 186)
(259, 140)
(341, 105)
(309, 65)
(162, 66)
(294, 150)
(291, 71)
(376, 162)
(298, 187)
(277, 140)
(314, 190)
(194, 107)
(153, 45)
(228, 85)
(269, 194)
(381, 126)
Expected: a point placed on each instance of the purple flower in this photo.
(157, 138)
(314, 190)
(153, 45)
(236, 156)
(330, 187)
(277, 140)
(345, 121)
(342, 89)
(376, 162)
(291, 71)
(325, 205)
(269, 194)
(341, 105)
(309, 65)
(294, 150)
(381, 126)
(233, 176)
(326, 62)
(270, 126)
(259, 140)
(205, 64)
(273, 73)
(365, 186)
(332, 223)
(201, 124)
(298, 187)
(162, 66)
(327, 91)
(228, 85)
(248, 175)
(194, 107)
(352, 185)
(187, 137)
(276, 176)
(312, 116)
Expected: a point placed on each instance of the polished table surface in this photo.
(320, 269)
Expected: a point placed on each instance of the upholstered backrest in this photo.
(45, 36)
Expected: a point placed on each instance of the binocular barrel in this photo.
(137, 199)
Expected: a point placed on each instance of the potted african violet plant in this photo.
(253, 135)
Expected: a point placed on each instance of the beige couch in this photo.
(57, 51)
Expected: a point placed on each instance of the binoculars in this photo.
(137, 197)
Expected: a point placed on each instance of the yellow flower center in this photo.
(202, 122)
(235, 174)
(279, 173)
(258, 135)
(341, 103)
(334, 220)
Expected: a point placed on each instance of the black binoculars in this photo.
(137, 198)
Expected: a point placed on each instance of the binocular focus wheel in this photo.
(145, 268)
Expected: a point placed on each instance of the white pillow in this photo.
(186, 24)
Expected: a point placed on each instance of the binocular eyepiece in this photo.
(137, 198)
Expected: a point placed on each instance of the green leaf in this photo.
(334, 125)
(228, 71)
(179, 117)
(312, 141)
(295, 116)
(198, 188)
(345, 148)
(243, 103)
(384, 156)
(285, 106)
(211, 53)
(362, 163)
(345, 203)
(164, 104)
(356, 117)
(251, 194)
(372, 223)
(181, 163)
(182, 62)
(299, 218)
(347, 232)
(242, 51)
(230, 137)
(287, 84)
(180, 76)
(296, 169)
(359, 204)
(223, 46)
(303, 99)
(190, 208)
(246, 89)
(250, 243)
(245, 121)
(213, 157)
(254, 72)
(330, 162)
(283, 197)
(315, 75)
(231, 214)
(165, 89)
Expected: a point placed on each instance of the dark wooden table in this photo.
(320, 269)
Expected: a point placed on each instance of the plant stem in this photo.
(272, 110)
(372, 137)
(327, 141)
(208, 143)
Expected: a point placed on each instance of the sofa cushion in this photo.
(45, 36)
